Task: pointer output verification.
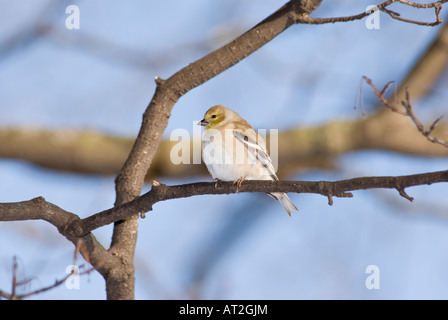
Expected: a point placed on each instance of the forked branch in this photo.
(408, 111)
(160, 192)
(437, 5)
(75, 271)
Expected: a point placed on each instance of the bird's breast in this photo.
(226, 158)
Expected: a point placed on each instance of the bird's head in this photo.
(215, 117)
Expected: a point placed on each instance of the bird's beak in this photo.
(203, 122)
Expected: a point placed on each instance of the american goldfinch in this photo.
(233, 151)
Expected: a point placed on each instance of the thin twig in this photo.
(14, 276)
(408, 111)
(15, 284)
(383, 7)
(436, 5)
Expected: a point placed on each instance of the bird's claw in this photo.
(217, 181)
(238, 183)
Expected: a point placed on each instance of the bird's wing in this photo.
(258, 150)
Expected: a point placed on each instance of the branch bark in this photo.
(161, 192)
(72, 227)
(39, 209)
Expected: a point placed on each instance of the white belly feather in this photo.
(227, 159)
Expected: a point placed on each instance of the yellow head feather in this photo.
(218, 116)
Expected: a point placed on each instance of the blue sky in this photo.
(245, 244)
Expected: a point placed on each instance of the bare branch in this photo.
(14, 276)
(408, 111)
(436, 5)
(383, 7)
(15, 284)
(160, 192)
(39, 209)
(404, 194)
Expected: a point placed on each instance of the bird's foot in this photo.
(238, 183)
(217, 182)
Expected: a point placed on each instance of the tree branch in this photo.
(39, 209)
(407, 111)
(429, 67)
(299, 148)
(383, 7)
(75, 228)
(16, 284)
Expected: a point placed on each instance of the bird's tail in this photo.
(285, 201)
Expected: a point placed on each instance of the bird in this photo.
(233, 151)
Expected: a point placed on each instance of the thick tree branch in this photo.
(72, 227)
(421, 79)
(161, 192)
(298, 148)
(39, 209)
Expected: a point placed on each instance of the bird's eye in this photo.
(214, 116)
